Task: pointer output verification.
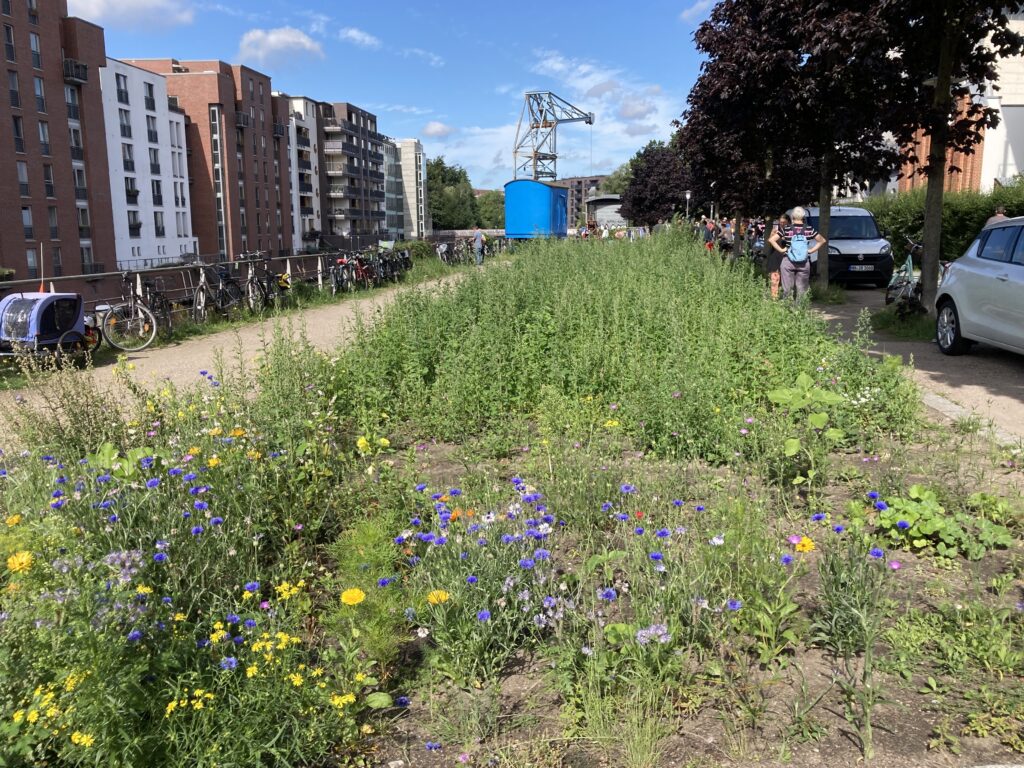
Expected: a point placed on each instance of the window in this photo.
(122, 88)
(250, 87)
(154, 160)
(150, 96)
(71, 99)
(81, 192)
(37, 51)
(9, 43)
(44, 137)
(23, 178)
(33, 12)
(51, 217)
(57, 261)
(26, 222)
(158, 192)
(151, 129)
(128, 157)
(48, 180)
(1018, 252)
(86, 258)
(134, 224)
(14, 88)
(32, 262)
(40, 94)
(7, 7)
(999, 244)
(125, 118)
(158, 223)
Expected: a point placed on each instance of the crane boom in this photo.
(536, 154)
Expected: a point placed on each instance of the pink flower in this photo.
(895, 564)
(464, 757)
(744, 431)
(677, 394)
(796, 538)
(614, 406)
(750, 419)
(265, 605)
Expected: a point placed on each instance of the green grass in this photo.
(914, 327)
(833, 295)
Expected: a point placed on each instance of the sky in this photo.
(451, 74)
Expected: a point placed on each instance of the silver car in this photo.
(982, 295)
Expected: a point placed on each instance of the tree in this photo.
(450, 196)
(492, 209)
(658, 184)
(948, 51)
(615, 183)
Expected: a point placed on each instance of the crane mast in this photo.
(536, 152)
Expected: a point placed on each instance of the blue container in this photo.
(534, 209)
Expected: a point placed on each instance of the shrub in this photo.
(420, 250)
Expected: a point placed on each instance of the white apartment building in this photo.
(414, 189)
(304, 169)
(149, 191)
(394, 191)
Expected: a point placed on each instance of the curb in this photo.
(952, 411)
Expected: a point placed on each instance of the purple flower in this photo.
(252, 586)
(606, 507)
(384, 581)
(639, 530)
(216, 521)
(881, 506)
(196, 530)
(526, 563)
(471, 579)
(228, 662)
(656, 557)
(541, 554)
(484, 615)
(402, 701)
(876, 553)
(873, 495)
(421, 487)
(232, 618)
(734, 605)
(112, 519)
(786, 559)
(627, 488)
(663, 533)
(838, 528)
(134, 635)
(607, 593)
(159, 557)
(817, 517)
(250, 623)
(902, 525)
(200, 506)
(433, 746)
(153, 482)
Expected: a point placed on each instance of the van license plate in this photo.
(862, 268)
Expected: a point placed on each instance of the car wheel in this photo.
(947, 330)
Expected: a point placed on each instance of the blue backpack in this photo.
(798, 247)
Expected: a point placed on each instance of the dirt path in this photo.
(987, 382)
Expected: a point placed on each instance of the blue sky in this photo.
(449, 73)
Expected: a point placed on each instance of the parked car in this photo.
(857, 252)
(982, 295)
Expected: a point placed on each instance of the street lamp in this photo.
(688, 193)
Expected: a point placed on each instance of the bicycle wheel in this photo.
(161, 309)
(256, 296)
(129, 327)
(71, 346)
(201, 304)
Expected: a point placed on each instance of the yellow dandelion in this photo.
(142, 589)
(20, 562)
(33, 715)
(353, 596)
(18, 716)
(366, 728)
(384, 443)
(253, 455)
(194, 450)
(82, 739)
(805, 545)
(611, 424)
(363, 444)
(360, 677)
(237, 432)
(171, 706)
(252, 671)
(295, 679)
(213, 461)
(437, 597)
(13, 520)
(216, 432)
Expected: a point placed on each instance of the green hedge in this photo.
(963, 215)
(418, 249)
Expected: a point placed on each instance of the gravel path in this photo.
(987, 382)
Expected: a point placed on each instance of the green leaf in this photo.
(803, 381)
(792, 446)
(835, 435)
(818, 420)
(379, 700)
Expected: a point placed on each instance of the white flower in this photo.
(422, 632)
(717, 541)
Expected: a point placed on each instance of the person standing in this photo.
(999, 215)
(804, 241)
(478, 246)
(709, 234)
(774, 260)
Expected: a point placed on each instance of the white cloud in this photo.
(118, 13)
(431, 58)
(638, 109)
(504, 89)
(407, 109)
(317, 22)
(599, 90)
(358, 37)
(263, 45)
(696, 11)
(437, 130)
(231, 10)
(641, 129)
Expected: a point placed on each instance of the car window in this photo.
(999, 245)
(1018, 252)
(849, 227)
(972, 249)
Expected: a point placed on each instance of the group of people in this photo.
(790, 246)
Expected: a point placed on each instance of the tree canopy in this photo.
(491, 206)
(450, 196)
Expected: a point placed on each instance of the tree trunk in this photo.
(941, 106)
(824, 217)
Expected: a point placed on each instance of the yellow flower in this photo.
(366, 728)
(18, 716)
(437, 596)
(142, 589)
(195, 449)
(33, 715)
(212, 462)
(82, 739)
(252, 671)
(286, 590)
(363, 444)
(20, 562)
(171, 706)
(253, 455)
(296, 679)
(217, 636)
(360, 677)
(341, 701)
(611, 424)
(180, 617)
(216, 432)
(13, 520)
(247, 595)
(353, 596)
(805, 545)
(384, 443)
(237, 432)
(317, 672)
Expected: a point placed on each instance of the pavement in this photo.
(986, 383)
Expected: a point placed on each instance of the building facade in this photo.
(304, 139)
(414, 189)
(148, 168)
(352, 172)
(579, 190)
(394, 191)
(55, 207)
(237, 139)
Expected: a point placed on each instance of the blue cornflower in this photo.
(421, 487)
(147, 462)
(606, 506)
(507, 538)
(549, 602)
(876, 553)
(481, 542)
(454, 491)
(175, 471)
(657, 557)
(786, 559)
(699, 508)
(607, 594)
(663, 533)
(46, 458)
(112, 519)
(159, 557)
(881, 506)
(252, 586)
(216, 521)
(622, 517)
(902, 525)
(232, 618)
(3, 473)
(549, 519)
(484, 615)
(838, 528)
(204, 643)
(57, 494)
(639, 530)
(402, 701)
(196, 530)
(734, 605)
(153, 482)
(399, 540)
(238, 640)
(817, 517)
(440, 541)
(541, 554)
(530, 498)
(189, 477)
(166, 600)
(384, 581)
(204, 373)
(471, 579)
(677, 502)
(414, 560)
(134, 635)
(433, 746)
(186, 515)
(425, 537)
(473, 528)
(228, 662)
(57, 504)
(436, 496)
(627, 488)
(873, 495)
(250, 623)
(526, 563)
(415, 522)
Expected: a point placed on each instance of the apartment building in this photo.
(148, 168)
(55, 207)
(394, 191)
(352, 172)
(579, 190)
(414, 189)
(237, 138)
(305, 138)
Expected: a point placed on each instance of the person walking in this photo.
(999, 215)
(803, 242)
(709, 234)
(478, 246)
(774, 261)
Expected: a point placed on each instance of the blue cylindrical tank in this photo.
(535, 209)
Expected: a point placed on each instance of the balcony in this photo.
(303, 187)
(280, 129)
(241, 120)
(57, 270)
(84, 233)
(15, 98)
(122, 96)
(81, 193)
(126, 131)
(40, 104)
(129, 165)
(154, 168)
(33, 273)
(74, 112)
(75, 72)
(375, 157)
(305, 165)
(302, 141)
(376, 194)
(378, 215)
(375, 175)
(158, 200)
(306, 211)
(153, 136)
(93, 268)
(135, 229)
(160, 231)
(150, 104)
(9, 52)
(132, 196)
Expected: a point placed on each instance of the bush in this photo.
(420, 250)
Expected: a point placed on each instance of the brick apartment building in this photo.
(237, 139)
(579, 190)
(352, 172)
(55, 208)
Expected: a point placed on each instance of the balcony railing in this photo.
(74, 112)
(75, 72)
(40, 104)
(122, 95)
(84, 233)
(302, 141)
(19, 144)
(132, 196)
(306, 211)
(54, 233)
(23, 188)
(48, 188)
(241, 120)
(154, 137)
(81, 193)
(15, 98)
(305, 165)
(280, 129)
(158, 200)
(126, 131)
(44, 147)
(129, 165)
(33, 273)
(303, 187)
(160, 231)
(135, 229)
(154, 168)
(150, 103)
(29, 233)
(57, 270)
(93, 268)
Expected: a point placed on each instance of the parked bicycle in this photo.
(218, 291)
(128, 325)
(265, 287)
(905, 288)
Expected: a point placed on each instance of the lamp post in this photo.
(687, 193)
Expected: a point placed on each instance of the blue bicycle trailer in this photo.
(44, 323)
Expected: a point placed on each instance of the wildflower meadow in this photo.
(601, 504)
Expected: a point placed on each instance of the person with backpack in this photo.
(803, 242)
